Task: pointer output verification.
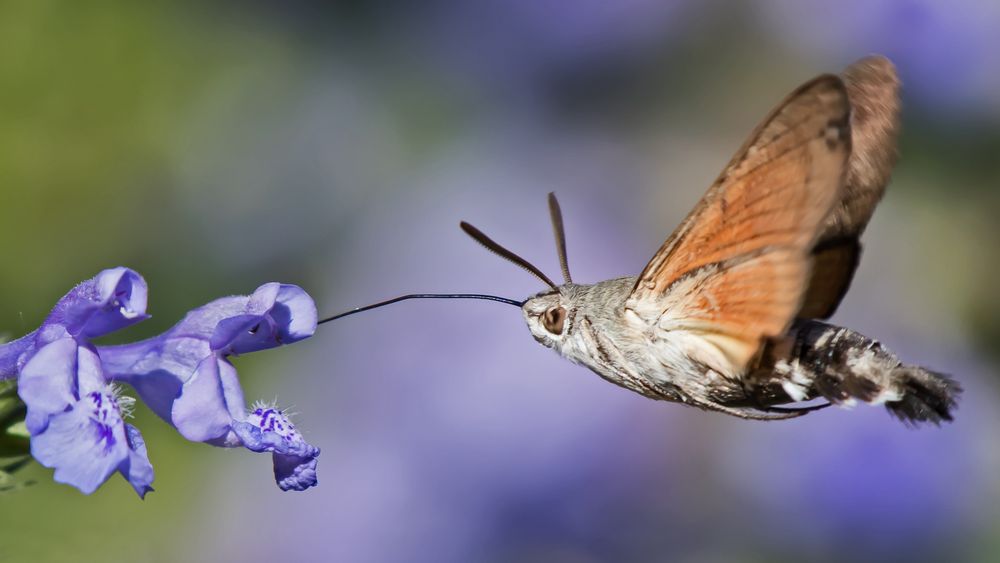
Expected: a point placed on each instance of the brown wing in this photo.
(873, 91)
(735, 270)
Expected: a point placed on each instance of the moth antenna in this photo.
(557, 228)
(422, 296)
(502, 252)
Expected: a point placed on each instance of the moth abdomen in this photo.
(815, 360)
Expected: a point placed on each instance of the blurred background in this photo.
(217, 146)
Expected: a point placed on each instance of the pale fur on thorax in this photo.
(621, 347)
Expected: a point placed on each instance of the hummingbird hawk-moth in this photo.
(729, 313)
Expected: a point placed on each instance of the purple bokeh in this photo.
(449, 434)
(454, 434)
(947, 53)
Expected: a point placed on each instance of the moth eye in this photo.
(554, 320)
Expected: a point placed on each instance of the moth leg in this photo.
(808, 409)
(755, 399)
(749, 413)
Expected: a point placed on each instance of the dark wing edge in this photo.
(873, 91)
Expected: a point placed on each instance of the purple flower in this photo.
(113, 299)
(186, 378)
(268, 429)
(74, 417)
(85, 437)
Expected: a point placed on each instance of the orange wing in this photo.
(735, 271)
(873, 91)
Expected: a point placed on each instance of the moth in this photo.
(729, 314)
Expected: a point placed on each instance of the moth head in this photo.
(549, 313)
(549, 316)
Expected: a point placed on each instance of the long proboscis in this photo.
(485, 297)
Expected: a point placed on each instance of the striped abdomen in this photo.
(815, 359)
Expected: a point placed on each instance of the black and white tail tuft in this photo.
(927, 396)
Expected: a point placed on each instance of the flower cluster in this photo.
(76, 413)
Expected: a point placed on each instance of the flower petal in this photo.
(201, 412)
(85, 444)
(112, 300)
(232, 392)
(268, 429)
(47, 383)
(294, 473)
(276, 314)
(157, 388)
(295, 311)
(136, 467)
(263, 298)
(89, 373)
(242, 334)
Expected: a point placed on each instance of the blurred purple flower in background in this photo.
(461, 437)
(461, 426)
(555, 33)
(860, 478)
(942, 50)
(506, 46)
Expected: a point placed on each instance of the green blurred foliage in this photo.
(93, 98)
(952, 172)
(13, 433)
